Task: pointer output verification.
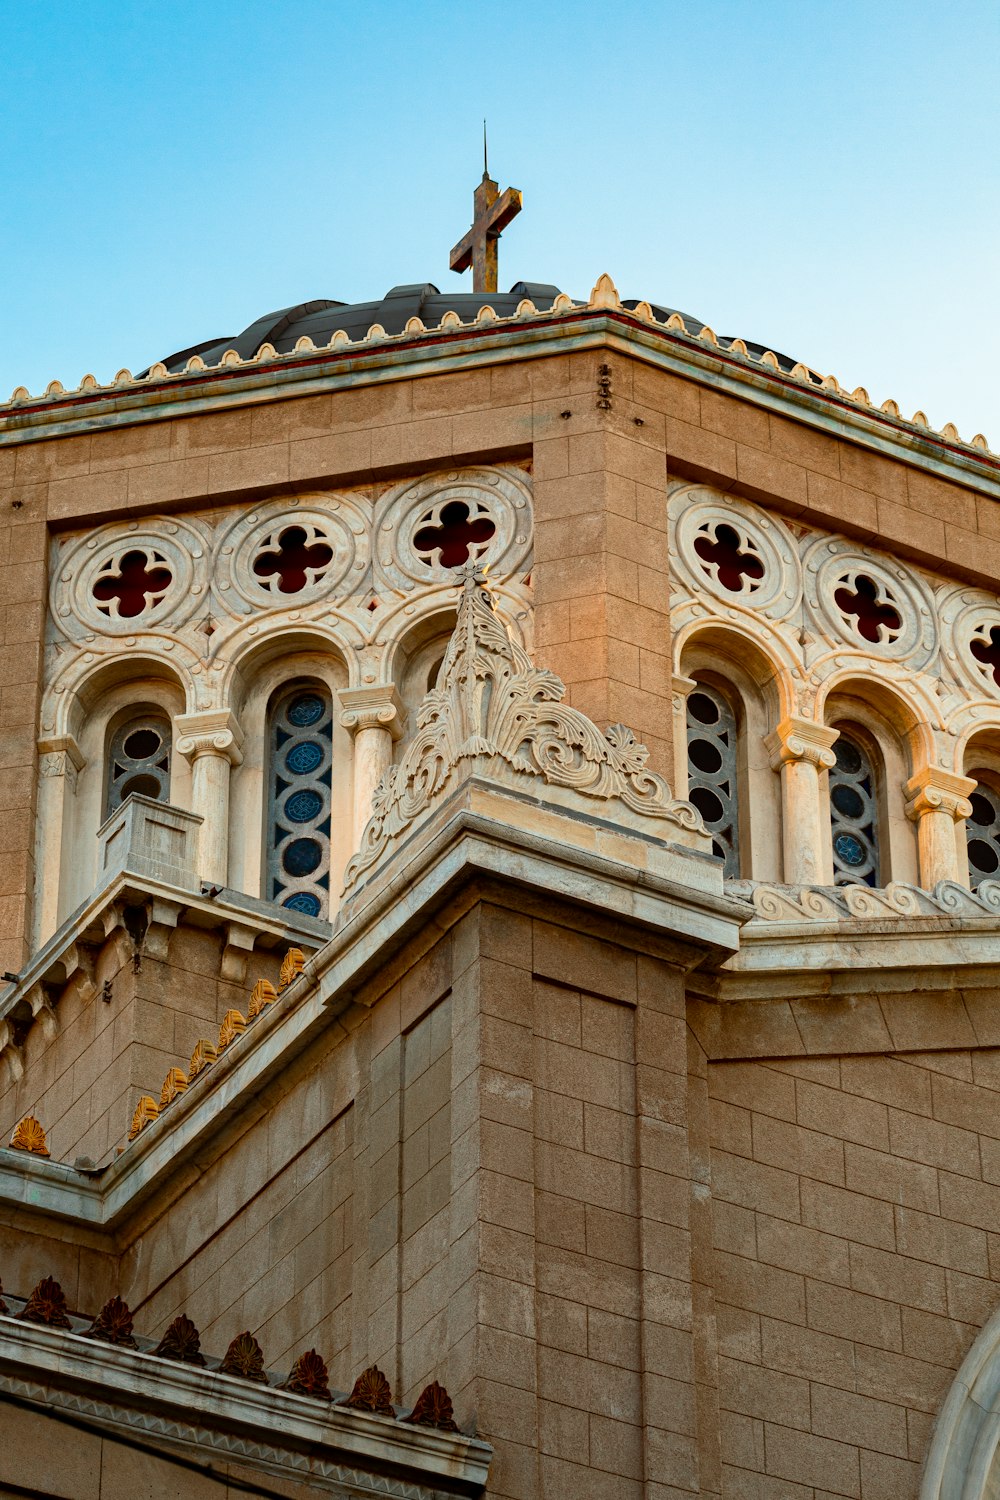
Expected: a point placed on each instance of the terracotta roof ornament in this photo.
(145, 1111)
(433, 1408)
(291, 967)
(113, 1324)
(233, 1024)
(29, 1136)
(244, 1358)
(181, 1342)
(262, 994)
(371, 1392)
(309, 1377)
(46, 1305)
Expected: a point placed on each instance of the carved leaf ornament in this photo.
(113, 1324)
(29, 1136)
(244, 1358)
(492, 702)
(310, 1377)
(46, 1305)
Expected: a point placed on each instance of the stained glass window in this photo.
(711, 744)
(139, 761)
(298, 853)
(853, 815)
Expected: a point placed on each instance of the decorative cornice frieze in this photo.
(863, 903)
(797, 739)
(210, 732)
(494, 707)
(375, 707)
(935, 790)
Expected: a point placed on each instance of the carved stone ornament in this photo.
(371, 1392)
(309, 1377)
(233, 1023)
(492, 704)
(203, 1056)
(175, 1083)
(263, 993)
(113, 1324)
(29, 1136)
(291, 967)
(433, 1408)
(47, 1305)
(181, 1342)
(853, 903)
(146, 1110)
(244, 1358)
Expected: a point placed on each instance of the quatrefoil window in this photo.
(730, 559)
(455, 537)
(986, 649)
(292, 561)
(868, 608)
(130, 585)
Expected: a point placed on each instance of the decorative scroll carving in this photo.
(371, 1392)
(799, 903)
(29, 1136)
(181, 1342)
(113, 1324)
(233, 1023)
(146, 1110)
(309, 1377)
(263, 993)
(244, 1358)
(203, 1056)
(47, 1304)
(175, 1083)
(433, 1409)
(291, 967)
(492, 703)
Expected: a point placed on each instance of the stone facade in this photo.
(680, 1186)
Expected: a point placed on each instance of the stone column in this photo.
(211, 741)
(375, 717)
(60, 760)
(937, 800)
(800, 750)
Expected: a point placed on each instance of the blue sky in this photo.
(820, 178)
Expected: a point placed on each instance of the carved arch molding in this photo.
(824, 609)
(963, 1462)
(359, 568)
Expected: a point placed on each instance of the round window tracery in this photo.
(293, 559)
(853, 815)
(731, 560)
(456, 536)
(131, 584)
(868, 608)
(982, 834)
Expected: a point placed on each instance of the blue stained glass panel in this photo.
(304, 758)
(307, 709)
(303, 806)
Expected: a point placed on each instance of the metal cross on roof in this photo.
(492, 212)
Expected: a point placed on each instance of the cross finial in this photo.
(492, 212)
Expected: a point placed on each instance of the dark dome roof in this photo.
(321, 319)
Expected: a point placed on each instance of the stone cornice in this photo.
(227, 1419)
(451, 348)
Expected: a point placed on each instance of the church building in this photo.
(499, 916)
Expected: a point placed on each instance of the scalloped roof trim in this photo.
(603, 297)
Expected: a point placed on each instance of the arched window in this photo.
(712, 771)
(300, 777)
(853, 815)
(138, 761)
(982, 832)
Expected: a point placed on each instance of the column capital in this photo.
(681, 689)
(935, 790)
(376, 707)
(210, 731)
(797, 739)
(60, 755)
